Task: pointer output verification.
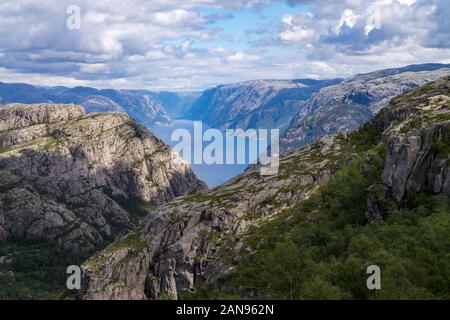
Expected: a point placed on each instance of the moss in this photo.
(3, 150)
(269, 201)
(441, 148)
(440, 117)
(252, 215)
(219, 200)
(130, 241)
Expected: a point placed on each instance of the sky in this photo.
(190, 45)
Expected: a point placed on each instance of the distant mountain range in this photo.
(176, 104)
(303, 109)
(349, 104)
(149, 108)
(255, 104)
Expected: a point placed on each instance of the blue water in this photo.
(212, 174)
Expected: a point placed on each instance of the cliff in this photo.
(81, 180)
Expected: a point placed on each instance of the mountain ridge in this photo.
(254, 104)
(372, 91)
(66, 176)
(138, 104)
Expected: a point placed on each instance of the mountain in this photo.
(378, 195)
(176, 104)
(349, 104)
(66, 168)
(138, 104)
(254, 104)
(75, 182)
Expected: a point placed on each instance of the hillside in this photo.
(378, 195)
(176, 104)
(254, 104)
(352, 102)
(75, 182)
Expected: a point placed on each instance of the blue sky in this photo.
(242, 21)
(185, 45)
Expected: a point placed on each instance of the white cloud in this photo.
(95, 68)
(296, 32)
(177, 17)
(407, 2)
(242, 57)
(348, 18)
(172, 44)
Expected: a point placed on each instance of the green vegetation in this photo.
(131, 241)
(322, 250)
(441, 147)
(37, 270)
(366, 137)
(223, 200)
(136, 207)
(269, 201)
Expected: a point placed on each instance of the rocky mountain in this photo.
(308, 230)
(352, 102)
(176, 104)
(138, 104)
(81, 180)
(254, 104)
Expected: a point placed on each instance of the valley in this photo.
(101, 190)
(251, 236)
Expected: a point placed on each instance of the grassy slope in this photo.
(322, 249)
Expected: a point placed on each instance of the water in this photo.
(212, 174)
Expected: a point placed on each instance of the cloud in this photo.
(242, 57)
(296, 32)
(193, 44)
(94, 68)
(367, 31)
(177, 17)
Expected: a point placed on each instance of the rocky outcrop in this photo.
(16, 117)
(371, 92)
(266, 104)
(196, 240)
(417, 130)
(79, 180)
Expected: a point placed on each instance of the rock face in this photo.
(347, 105)
(254, 104)
(72, 178)
(417, 130)
(138, 104)
(176, 104)
(194, 240)
(184, 243)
